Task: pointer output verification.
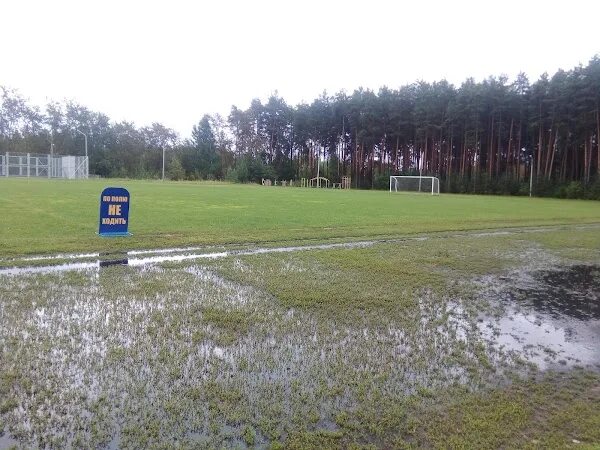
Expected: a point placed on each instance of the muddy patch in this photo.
(550, 318)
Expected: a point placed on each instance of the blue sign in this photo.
(114, 212)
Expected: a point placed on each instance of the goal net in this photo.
(428, 185)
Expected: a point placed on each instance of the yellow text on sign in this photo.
(114, 210)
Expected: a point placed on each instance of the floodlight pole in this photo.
(163, 164)
(420, 170)
(319, 169)
(85, 138)
(87, 160)
(530, 175)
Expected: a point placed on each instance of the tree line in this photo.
(482, 137)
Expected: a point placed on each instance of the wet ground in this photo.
(81, 261)
(156, 347)
(550, 317)
(208, 355)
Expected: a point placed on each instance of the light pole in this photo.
(421, 155)
(530, 174)
(87, 161)
(85, 138)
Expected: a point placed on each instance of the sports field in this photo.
(270, 317)
(41, 216)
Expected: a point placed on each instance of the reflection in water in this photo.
(544, 340)
(142, 261)
(552, 317)
(113, 262)
(574, 292)
(6, 441)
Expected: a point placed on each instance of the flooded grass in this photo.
(388, 344)
(552, 316)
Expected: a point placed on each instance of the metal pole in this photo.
(531, 176)
(87, 161)
(319, 168)
(85, 138)
(163, 164)
(420, 169)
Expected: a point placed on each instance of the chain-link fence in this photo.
(46, 166)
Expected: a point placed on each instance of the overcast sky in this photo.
(173, 61)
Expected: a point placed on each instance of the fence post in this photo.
(6, 167)
(28, 165)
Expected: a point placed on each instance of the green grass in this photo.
(382, 276)
(44, 216)
(367, 347)
(555, 412)
(341, 348)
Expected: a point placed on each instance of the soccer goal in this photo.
(427, 185)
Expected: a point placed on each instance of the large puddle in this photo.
(551, 318)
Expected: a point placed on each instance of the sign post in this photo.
(114, 212)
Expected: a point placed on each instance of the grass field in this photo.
(42, 216)
(433, 340)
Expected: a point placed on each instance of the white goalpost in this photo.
(405, 183)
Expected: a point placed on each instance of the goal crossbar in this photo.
(420, 183)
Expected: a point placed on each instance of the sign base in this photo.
(115, 234)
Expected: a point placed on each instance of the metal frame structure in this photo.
(43, 166)
(316, 182)
(434, 182)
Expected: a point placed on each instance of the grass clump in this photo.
(8, 405)
(549, 413)
(230, 324)
(249, 436)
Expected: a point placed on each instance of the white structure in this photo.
(416, 183)
(46, 166)
(318, 182)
